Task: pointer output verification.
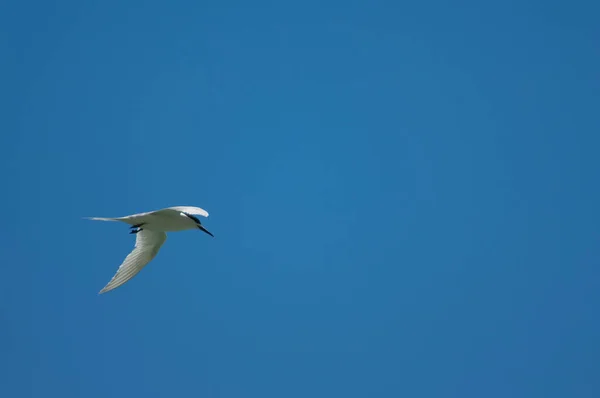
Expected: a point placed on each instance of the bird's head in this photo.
(198, 223)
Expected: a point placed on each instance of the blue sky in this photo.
(404, 198)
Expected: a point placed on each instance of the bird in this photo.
(150, 229)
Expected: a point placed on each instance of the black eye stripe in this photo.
(193, 218)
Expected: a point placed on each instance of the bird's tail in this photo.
(102, 219)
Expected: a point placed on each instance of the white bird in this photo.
(150, 228)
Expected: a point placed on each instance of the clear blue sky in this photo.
(404, 197)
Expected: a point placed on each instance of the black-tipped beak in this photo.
(205, 230)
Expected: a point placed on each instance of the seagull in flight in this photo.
(150, 229)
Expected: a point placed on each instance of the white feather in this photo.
(147, 245)
(150, 228)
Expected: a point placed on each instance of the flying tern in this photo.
(150, 229)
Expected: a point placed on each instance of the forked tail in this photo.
(102, 219)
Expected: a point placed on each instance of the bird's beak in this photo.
(205, 230)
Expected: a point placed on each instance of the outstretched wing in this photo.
(196, 211)
(147, 245)
(141, 218)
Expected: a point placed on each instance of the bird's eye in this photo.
(192, 217)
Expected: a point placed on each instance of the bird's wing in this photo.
(196, 211)
(141, 218)
(147, 245)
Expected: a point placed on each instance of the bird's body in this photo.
(151, 228)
